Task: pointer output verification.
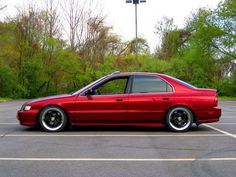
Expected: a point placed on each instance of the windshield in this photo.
(182, 82)
(87, 86)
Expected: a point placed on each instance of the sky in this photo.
(120, 15)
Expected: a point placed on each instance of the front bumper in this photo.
(27, 118)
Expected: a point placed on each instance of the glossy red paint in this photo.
(136, 109)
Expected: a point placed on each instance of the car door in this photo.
(106, 103)
(149, 98)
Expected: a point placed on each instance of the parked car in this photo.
(126, 99)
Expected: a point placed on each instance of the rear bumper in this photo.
(212, 115)
(27, 118)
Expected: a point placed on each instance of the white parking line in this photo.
(229, 118)
(221, 131)
(11, 123)
(16, 123)
(224, 123)
(114, 135)
(120, 159)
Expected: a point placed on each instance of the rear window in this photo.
(183, 83)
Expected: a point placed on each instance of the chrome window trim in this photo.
(130, 77)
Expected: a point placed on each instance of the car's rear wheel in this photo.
(179, 119)
(52, 119)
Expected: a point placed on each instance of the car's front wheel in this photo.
(179, 119)
(52, 119)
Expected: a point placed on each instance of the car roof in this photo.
(117, 73)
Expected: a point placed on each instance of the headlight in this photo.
(27, 108)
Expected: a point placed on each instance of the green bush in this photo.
(8, 84)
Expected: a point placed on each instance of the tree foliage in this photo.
(36, 60)
(203, 53)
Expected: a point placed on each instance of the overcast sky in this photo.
(121, 15)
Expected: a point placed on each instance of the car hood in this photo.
(49, 98)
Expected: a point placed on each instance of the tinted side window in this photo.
(114, 86)
(150, 84)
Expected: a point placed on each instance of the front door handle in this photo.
(119, 99)
(165, 98)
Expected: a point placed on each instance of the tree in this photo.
(166, 31)
(2, 6)
(162, 27)
(75, 16)
(8, 84)
(224, 18)
(172, 43)
(27, 36)
(142, 44)
(98, 41)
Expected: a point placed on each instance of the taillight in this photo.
(216, 100)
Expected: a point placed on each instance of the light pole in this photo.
(136, 2)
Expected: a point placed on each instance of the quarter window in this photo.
(150, 84)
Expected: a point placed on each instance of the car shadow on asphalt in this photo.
(121, 129)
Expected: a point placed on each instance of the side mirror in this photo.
(89, 92)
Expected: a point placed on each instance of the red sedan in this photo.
(126, 99)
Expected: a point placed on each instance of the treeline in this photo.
(36, 59)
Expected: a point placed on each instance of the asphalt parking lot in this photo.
(208, 150)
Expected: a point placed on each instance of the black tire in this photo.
(52, 119)
(179, 119)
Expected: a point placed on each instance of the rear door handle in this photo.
(165, 98)
(119, 99)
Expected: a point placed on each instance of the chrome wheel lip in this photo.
(46, 125)
(188, 121)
